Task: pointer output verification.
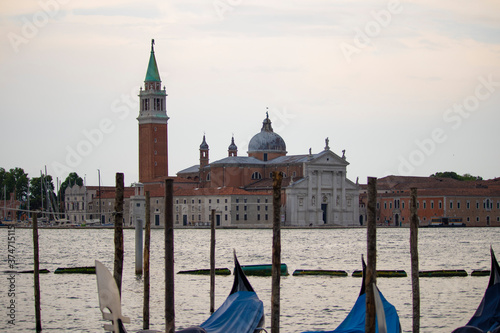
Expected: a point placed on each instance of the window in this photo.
(258, 217)
(468, 219)
(245, 217)
(199, 217)
(477, 204)
(468, 205)
(225, 217)
(138, 204)
(265, 156)
(217, 200)
(458, 204)
(477, 218)
(451, 204)
(237, 200)
(267, 217)
(209, 201)
(425, 204)
(237, 207)
(237, 217)
(385, 205)
(403, 204)
(225, 208)
(390, 205)
(258, 200)
(258, 207)
(256, 175)
(245, 208)
(440, 205)
(432, 204)
(208, 177)
(225, 200)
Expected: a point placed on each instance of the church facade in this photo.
(316, 191)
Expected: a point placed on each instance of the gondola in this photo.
(487, 316)
(242, 311)
(355, 320)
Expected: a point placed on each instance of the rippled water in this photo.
(70, 304)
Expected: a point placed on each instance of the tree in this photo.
(14, 181)
(454, 175)
(39, 185)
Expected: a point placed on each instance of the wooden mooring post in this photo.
(169, 257)
(147, 246)
(415, 284)
(371, 266)
(212, 262)
(36, 274)
(118, 263)
(276, 260)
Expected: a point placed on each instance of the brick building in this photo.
(439, 200)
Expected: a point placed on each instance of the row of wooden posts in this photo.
(276, 256)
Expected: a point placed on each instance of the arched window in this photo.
(256, 175)
(208, 177)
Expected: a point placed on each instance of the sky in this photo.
(404, 87)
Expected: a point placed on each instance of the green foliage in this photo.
(38, 186)
(14, 181)
(454, 175)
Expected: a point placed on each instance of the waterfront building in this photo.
(9, 208)
(475, 203)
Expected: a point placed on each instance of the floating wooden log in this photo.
(443, 273)
(32, 271)
(383, 273)
(75, 270)
(300, 272)
(480, 272)
(218, 271)
(263, 270)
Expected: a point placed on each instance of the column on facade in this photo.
(343, 197)
(319, 200)
(309, 198)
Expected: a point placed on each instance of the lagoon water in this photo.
(69, 302)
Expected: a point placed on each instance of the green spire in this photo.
(152, 73)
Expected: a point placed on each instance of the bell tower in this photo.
(153, 119)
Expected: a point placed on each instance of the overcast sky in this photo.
(404, 87)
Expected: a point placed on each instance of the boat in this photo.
(487, 315)
(241, 312)
(355, 320)
(443, 222)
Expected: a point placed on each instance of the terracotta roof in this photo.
(267, 183)
(434, 186)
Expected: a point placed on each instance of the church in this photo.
(315, 187)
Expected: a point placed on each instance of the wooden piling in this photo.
(276, 261)
(36, 276)
(169, 257)
(371, 267)
(118, 264)
(415, 285)
(147, 246)
(212, 262)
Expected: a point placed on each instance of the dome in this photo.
(232, 146)
(267, 140)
